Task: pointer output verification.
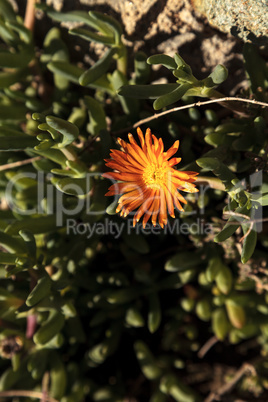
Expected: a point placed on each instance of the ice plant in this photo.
(147, 180)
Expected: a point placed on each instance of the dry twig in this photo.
(45, 384)
(19, 163)
(207, 346)
(176, 109)
(245, 369)
(29, 15)
(26, 394)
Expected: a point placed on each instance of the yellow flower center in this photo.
(153, 176)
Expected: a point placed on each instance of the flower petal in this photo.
(155, 208)
(169, 200)
(174, 161)
(130, 196)
(147, 179)
(119, 188)
(126, 168)
(163, 209)
(141, 138)
(122, 176)
(144, 207)
(138, 154)
(172, 150)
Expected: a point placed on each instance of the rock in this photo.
(245, 19)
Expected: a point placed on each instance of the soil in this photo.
(161, 26)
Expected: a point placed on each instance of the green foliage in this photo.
(103, 310)
(186, 83)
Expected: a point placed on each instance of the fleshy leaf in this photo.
(146, 91)
(69, 131)
(98, 69)
(163, 59)
(92, 36)
(97, 115)
(174, 96)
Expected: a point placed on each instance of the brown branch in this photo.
(29, 17)
(246, 217)
(247, 232)
(19, 163)
(246, 368)
(232, 213)
(207, 346)
(26, 394)
(248, 220)
(45, 384)
(198, 104)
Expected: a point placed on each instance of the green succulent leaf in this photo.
(154, 313)
(130, 106)
(12, 112)
(6, 10)
(24, 33)
(9, 78)
(8, 259)
(39, 292)
(6, 34)
(49, 328)
(173, 386)
(97, 117)
(218, 76)
(180, 62)
(147, 361)
(208, 163)
(68, 130)
(98, 69)
(220, 323)
(146, 91)
(73, 74)
(29, 239)
(92, 36)
(109, 22)
(172, 97)
(58, 377)
(16, 143)
(142, 70)
(249, 243)
(73, 186)
(220, 170)
(182, 262)
(236, 313)
(67, 70)
(76, 16)
(163, 59)
(224, 279)
(134, 318)
(12, 244)
(256, 68)
(232, 225)
(41, 224)
(16, 60)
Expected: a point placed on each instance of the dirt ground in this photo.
(161, 26)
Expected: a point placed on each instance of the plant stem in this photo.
(221, 101)
(29, 18)
(214, 94)
(26, 394)
(122, 61)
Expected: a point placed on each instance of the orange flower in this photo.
(147, 179)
